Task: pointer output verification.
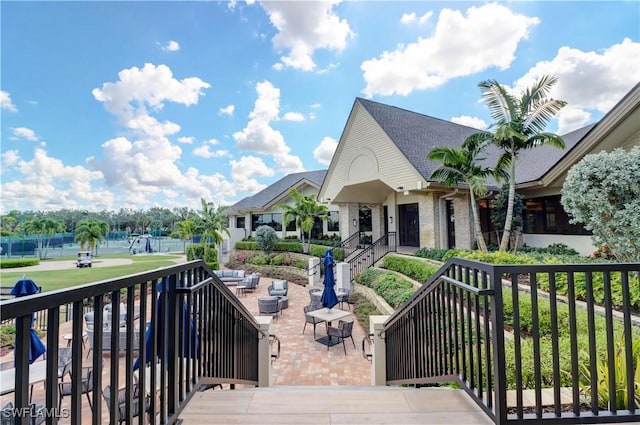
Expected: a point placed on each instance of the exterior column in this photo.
(377, 222)
(463, 222)
(429, 217)
(378, 350)
(314, 271)
(343, 276)
(349, 212)
(264, 351)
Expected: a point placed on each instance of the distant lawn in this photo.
(50, 280)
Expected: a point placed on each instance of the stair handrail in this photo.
(372, 253)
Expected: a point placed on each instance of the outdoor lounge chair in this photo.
(343, 297)
(278, 288)
(121, 411)
(310, 319)
(344, 330)
(268, 305)
(86, 386)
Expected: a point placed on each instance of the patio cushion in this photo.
(278, 284)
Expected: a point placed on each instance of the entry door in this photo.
(409, 225)
(451, 226)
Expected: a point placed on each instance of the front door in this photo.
(451, 226)
(409, 225)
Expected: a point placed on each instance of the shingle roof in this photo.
(261, 199)
(416, 134)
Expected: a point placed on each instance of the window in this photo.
(291, 226)
(333, 224)
(240, 222)
(273, 220)
(365, 219)
(546, 215)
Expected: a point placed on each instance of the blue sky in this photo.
(109, 105)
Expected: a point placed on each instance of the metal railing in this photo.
(495, 330)
(371, 254)
(197, 333)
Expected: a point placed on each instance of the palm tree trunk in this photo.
(504, 243)
(476, 223)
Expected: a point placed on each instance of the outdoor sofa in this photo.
(230, 277)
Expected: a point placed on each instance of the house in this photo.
(379, 180)
(247, 215)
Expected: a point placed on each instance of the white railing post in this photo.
(378, 351)
(264, 351)
(314, 271)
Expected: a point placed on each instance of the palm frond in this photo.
(502, 105)
(541, 113)
(550, 139)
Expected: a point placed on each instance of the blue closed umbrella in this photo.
(329, 297)
(190, 341)
(22, 288)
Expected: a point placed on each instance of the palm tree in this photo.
(90, 232)
(212, 222)
(519, 124)
(305, 210)
(461, 166)
(43, 227)
(185, 231)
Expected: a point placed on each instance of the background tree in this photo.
(211, 222)
(519, 124)
(602, 191)
(304, 211)
(462, 166)
(43, 228)
(90, 232)
(499, 210)
(185, 230)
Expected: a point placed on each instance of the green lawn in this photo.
(50, 280)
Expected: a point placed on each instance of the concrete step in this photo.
(339, 405)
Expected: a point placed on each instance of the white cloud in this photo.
(473, 122)
(45, 183)
(25, 133)
(324, 152)
(587, 81)
(247, 167)
(486, 37)
(149, 86)
(212, 142)
(206, 152)
(227, 110)
(171, 46)
(410, 18)
(303, 28)
(9, 159)
(187, 140)
(293, 116)
(258, 136)
(5, 102)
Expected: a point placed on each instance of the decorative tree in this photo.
(184, 231)
(499, 210)
(519, 125)
(266, 238)
(602, 191)
(304, 211)
(44, 228)
(90, 232)
(212, 222)
(461, 166)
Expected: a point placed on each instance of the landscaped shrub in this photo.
(266, 238)
(18, 262)
(277, 260)
(258, 260)
(490, 257)
(211, 258)
(394, 289)
(195, 251)
(415, 269)
(431, 253)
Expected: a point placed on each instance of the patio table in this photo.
(328, 315)
(37, 373)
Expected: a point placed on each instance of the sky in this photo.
(109, 105)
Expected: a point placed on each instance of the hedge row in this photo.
(18, 262)
(394, 289)
(415, 269)
(314, 250)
